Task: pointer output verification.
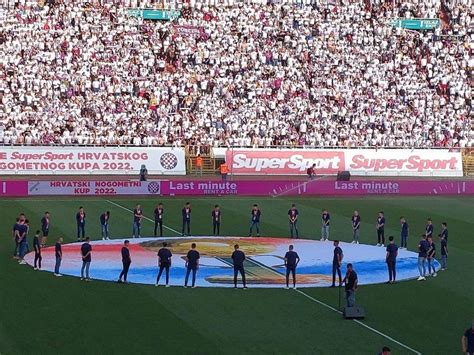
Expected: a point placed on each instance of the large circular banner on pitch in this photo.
(264, 265)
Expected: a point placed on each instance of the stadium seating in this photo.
(335, 73)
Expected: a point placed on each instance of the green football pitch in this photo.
(41, 314)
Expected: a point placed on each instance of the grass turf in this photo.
(42, 314)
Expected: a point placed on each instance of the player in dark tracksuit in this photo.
(444, 231)
(355, 227)
(137, 221)
(380, 227)
(86, 254)
(22, 237)
(326, 221)
(45, 229)
(164, 263)
(216, 220)
(15, 238)
(81, 224)
(444, 252)
(37, 249)
(336, 263)
(58, 252)
(126, 261)
(291, 262)
(255, 221)
(186, 213)
(158, 213)
(429, 228)
(431, 257)
(391, 259)
(423, 247)
(403, 233)
(238, 258)
(104, 224)
(192, 265)
(293, 220)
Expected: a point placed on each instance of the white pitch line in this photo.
(386, 336)
(338, 311)
(148, 219)
(318, 301)
(304, 184)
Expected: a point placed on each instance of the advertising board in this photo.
(91, 160)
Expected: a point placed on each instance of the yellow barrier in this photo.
(468, 161)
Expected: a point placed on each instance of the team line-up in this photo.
(426, 246)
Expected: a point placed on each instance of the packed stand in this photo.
(243, 75)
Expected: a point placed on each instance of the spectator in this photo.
(143, 173)
(199, 163)
(311, 172)
(257, 75)
(224, 170)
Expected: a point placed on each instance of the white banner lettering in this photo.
(91, 160)
(404, 162)
(370, 162)
(84, 187)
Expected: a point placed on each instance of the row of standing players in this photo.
(424, 248)
(291, 260)
(158, 213)
(164, 255)
(255, 213)
(216, 216)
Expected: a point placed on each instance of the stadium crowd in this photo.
(335, 73)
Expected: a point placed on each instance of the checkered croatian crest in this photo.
(169, 161)
(153, 187)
